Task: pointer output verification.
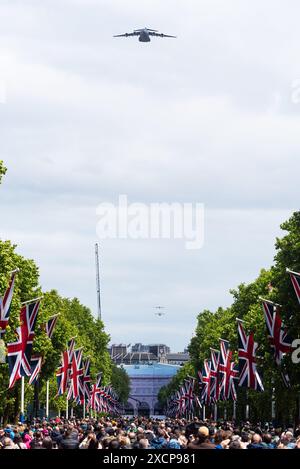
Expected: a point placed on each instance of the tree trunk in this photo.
(36, 400)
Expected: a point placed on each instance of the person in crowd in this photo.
(202, 441)
(146, 433)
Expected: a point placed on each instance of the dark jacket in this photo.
(204, 445)
(158, 443)
(69, 443)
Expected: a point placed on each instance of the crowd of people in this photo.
(145, 433)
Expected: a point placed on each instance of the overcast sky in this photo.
(210, 117)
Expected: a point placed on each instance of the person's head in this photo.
(17, 438)
(219, 436)
(160, 433)
(235, 444)
(144, 443)
(203, 434)
(7, 442)
(113, 445)
(256, 439)
(47, 443)
(245, 437)
(267, 438)
(37, 435)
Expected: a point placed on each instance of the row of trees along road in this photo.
(274, 284)
(75, 320)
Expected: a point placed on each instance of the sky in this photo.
(211, 117)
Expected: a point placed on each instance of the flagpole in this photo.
(215, 413)
(47, 399)
(273, 405)
(84, 407)
(31, 301)
(225, 412)
(67, 408)
(203, 412)
(234, 410)
(247, 407)
(22, 395)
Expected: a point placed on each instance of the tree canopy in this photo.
(273, 284)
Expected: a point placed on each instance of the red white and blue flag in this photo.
(19, 352)
(214, 375)
(295, 278)
(62, 374)
(277, 333)
(86, 380)
(205, 382)
(279, 339)
(5, 304)
(76, 372)
(50, 325)
(36, 366)
(189, 395)
(95, 400)
(248, 374)
(228, 372)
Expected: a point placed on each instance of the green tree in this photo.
(273, 284)
(2, 170)
(121, 383)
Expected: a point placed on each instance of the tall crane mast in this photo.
(98, 282)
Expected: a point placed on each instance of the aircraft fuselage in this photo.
(144, 36)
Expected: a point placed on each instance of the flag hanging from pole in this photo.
(36, 366)
(19, 352)
(248, 374)
(204, 378)
(295, 278)
(62, 374)
(76, 373)
(5, 304)
(278, 336)
(50, 325)
(95, 394)
(228, 372)
(214, 375)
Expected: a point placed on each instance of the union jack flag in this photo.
(5, 304)
(62, 374)
(278, 336)
(214, 375)
(277, 333)
(228, 372)
(50, 325)
(204, 378)
(295, 278)
(87, 378)
(189, 395)
(36, 366)
(248, 374)
(84, 383)
(19, 352)
(76, 373)
(95, 403)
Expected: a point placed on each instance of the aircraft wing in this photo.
(160, 34)
(127, 34)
